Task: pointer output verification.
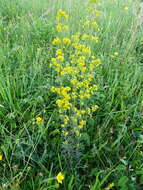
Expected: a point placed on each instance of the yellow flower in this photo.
(93, 24)
(86, 50)
(60, 58)
(1, 157)
(94, 108)
(66, 41)
(91, 67)
(68, 71)
(63, 104)
(56, 41)
(82, 122)
(54, 61)
(60, 177)
(97, 61)
(126, 8)
(59, 52)
(116, 53)
(80, 126)
(82, 112)
(59, 27)
(95, 39)
(83, 69)
(65, 133)
(66, 121)
(60, 14)
(39, 119)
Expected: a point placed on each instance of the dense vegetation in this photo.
(71, 101)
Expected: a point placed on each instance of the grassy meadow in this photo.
(71, 95)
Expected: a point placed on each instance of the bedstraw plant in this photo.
(74, 82)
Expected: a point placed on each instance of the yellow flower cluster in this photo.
(61, 14)
(39, 120)
(89, 37)
(92, 24)
(60, 27)
(56, 41)
(63, 103)
(75, 67)
(66, 41)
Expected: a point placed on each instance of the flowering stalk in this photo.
(75, 67)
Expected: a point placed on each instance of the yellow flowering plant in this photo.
(75, 66)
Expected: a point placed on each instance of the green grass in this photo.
(111, 146)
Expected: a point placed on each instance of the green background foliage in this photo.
(113, 142)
